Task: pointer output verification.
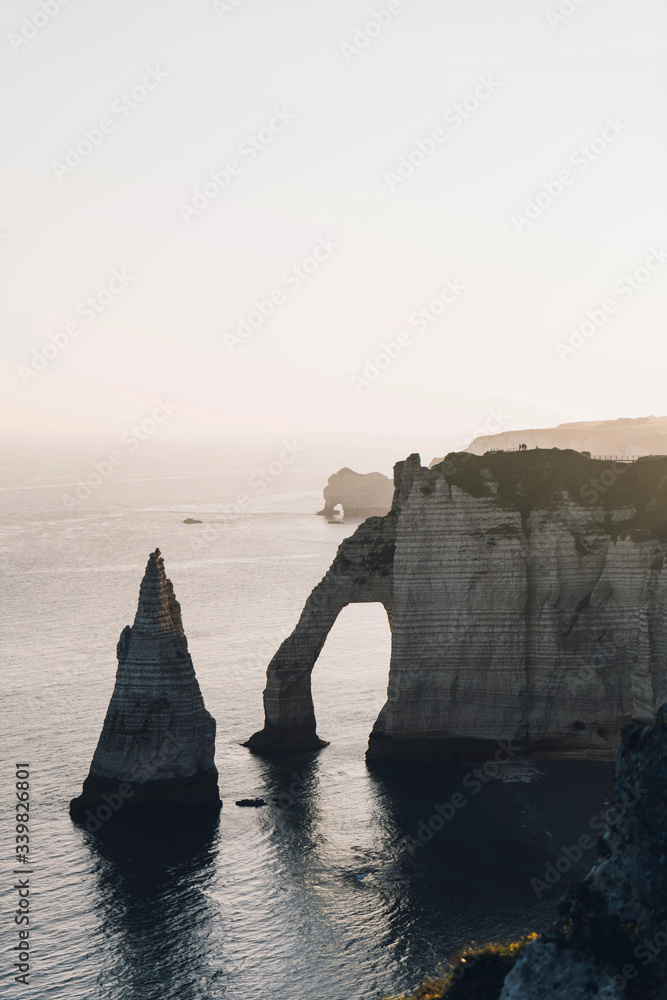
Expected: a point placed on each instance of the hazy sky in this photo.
(335, 94)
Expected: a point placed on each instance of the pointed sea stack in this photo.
(157, 744)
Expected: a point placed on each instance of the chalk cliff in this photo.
(526, 595)
(610, 940)
(360, 495)
(625, 436)
(158, 741)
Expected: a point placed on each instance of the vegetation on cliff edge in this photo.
(476, 973)
(532, 479)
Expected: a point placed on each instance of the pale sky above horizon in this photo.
(596, 79)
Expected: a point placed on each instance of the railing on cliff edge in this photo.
(598, 458)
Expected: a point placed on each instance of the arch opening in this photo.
(350, 675)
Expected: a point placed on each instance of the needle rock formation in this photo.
(527, 600)
(157, 744)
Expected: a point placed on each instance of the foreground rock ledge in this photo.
(611, 939)
(526, 594)
(156, 750)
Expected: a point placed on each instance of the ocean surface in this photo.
(317, 895)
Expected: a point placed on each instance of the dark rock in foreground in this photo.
(611, 939)
(157, 744)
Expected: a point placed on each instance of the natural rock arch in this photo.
(527, 596)
(359, 495)
(361, 573)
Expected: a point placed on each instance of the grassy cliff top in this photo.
(531, 479)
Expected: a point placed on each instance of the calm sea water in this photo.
(316, 896)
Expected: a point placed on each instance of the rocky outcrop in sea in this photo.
(157, 744)
(359, 495)
(526, 595)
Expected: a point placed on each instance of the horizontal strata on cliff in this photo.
(526, 596)
(157, 744)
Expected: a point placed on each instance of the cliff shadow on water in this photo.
(152, 872)
(480, 859)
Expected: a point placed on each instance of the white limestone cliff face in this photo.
(526, 604)
(359, 494)
(158, 740)
(625, 436)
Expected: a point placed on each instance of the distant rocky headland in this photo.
(625, 436)
(359, 495)
(156, 750)
(526, 594)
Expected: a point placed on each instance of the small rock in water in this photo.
(191, 520)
